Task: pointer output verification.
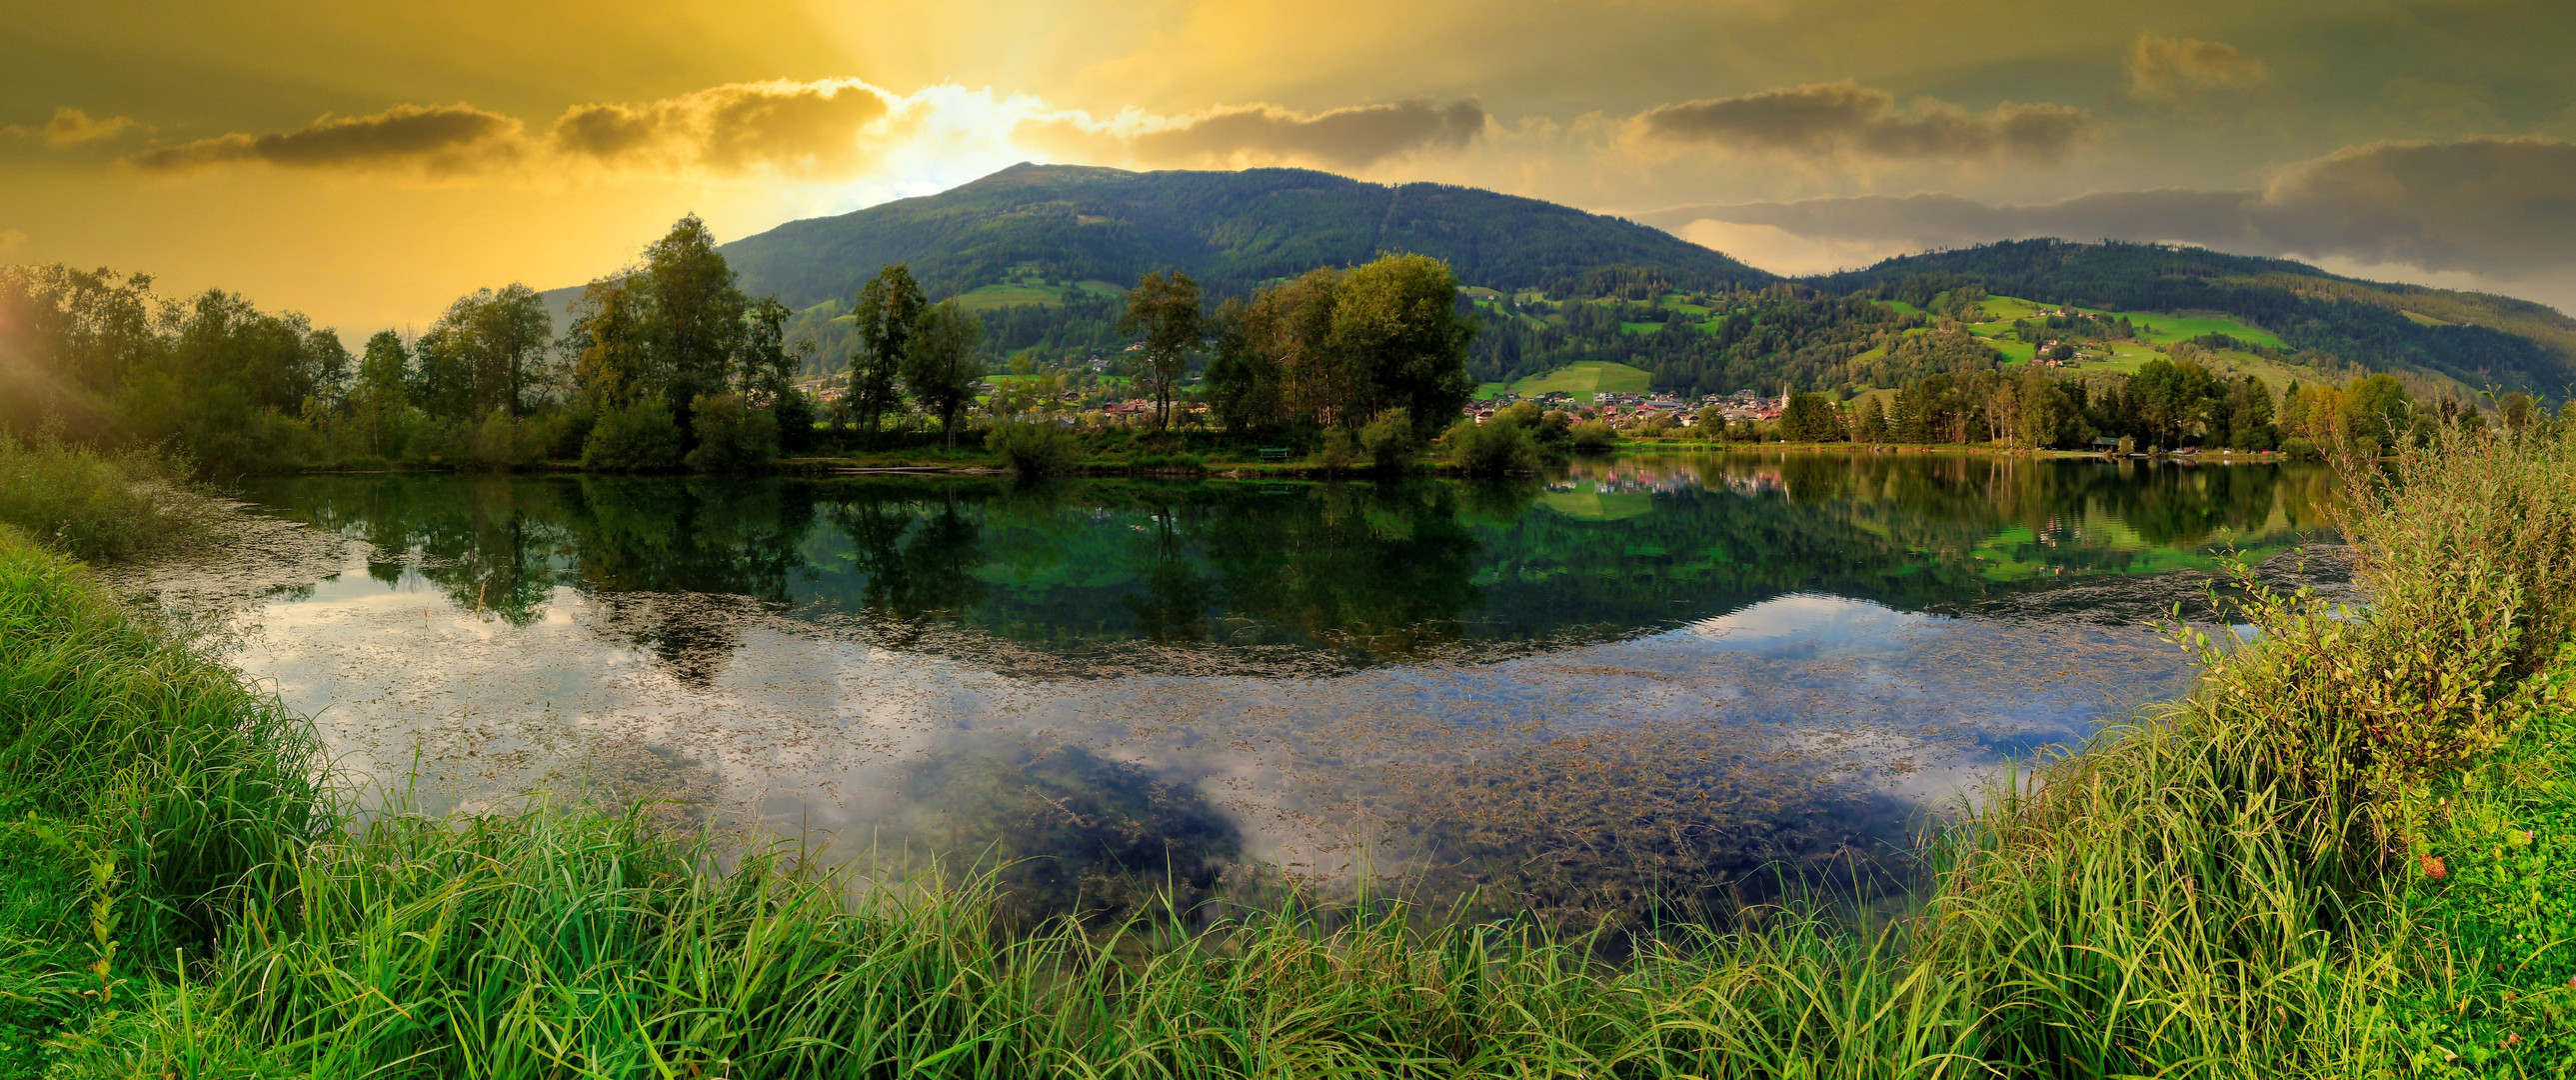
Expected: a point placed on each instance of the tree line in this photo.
(664, 363)
(2167, 404)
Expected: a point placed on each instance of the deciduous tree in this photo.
(941, 362)
(1166, 310)
(883, 316)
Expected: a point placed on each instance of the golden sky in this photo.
(368, 163)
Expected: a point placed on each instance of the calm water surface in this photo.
(1630, 677)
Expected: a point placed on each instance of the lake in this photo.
(1628, 681)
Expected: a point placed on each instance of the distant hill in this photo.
(1231, 230)
(1042, 253)
(2478, 339)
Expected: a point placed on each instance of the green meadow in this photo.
(1583, 378)
(1028, 292)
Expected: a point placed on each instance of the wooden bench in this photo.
(1274, 455)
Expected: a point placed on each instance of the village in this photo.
(1100, 400)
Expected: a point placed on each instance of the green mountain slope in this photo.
(2477, 339)
(1231, 230)
(1042, 252)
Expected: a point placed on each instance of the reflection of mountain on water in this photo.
(1214, 576)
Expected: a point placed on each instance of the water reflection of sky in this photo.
(1720, 674)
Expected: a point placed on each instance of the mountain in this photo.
(2478, 339)
(1043, 253)
(1231, 230)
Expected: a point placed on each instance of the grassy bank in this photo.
(102, 504)
(2335, 858)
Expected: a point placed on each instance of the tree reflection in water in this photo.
(1105, 580)
(1365, 573)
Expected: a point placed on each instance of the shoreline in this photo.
(1225, 469)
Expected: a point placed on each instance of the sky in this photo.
(366, 164)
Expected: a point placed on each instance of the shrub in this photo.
(1389, 441)
(1339, 450)
(99, 505)
(501, 442)
(732, 436)
(1034, 449)
(1497, 447)
(1593, 435)
(2296, 447)
(795, 413)
(639, 436)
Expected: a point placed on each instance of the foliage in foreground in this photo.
(2236, 885)
(100, 505)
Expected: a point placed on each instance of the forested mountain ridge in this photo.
(1230, 230)
(1041, 254)
(2479, 339)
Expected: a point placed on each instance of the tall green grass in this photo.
(99, 504)
(2229, 886)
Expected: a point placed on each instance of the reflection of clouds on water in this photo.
(1800, 727)
(1645, 678)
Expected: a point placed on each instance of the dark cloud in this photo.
(807, 127)
(2163, 66)
(439, 139)
(2502, 208)
(1828, 119)
(1254, 134)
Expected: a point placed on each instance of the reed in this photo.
(2225, 887)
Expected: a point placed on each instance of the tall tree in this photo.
(1319, 381)
(485, 353)
(1243, 387)
(769, 367)
(1166, 310)
(382, 391)
(2377, 407)
(883, 317)
(1810, 418)
(942, 362)
(611, 357)
(511, 332)
(1869, 422)
(696, 314)
(1398, 318)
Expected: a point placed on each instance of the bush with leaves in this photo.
(1034, 449)
(504, 442)
(1497, 447)
(1594, 435)
(1339, 450)
(1389, 442)
(794, 412)
(732, 436)
(636, 437)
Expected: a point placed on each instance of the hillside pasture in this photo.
(1030, 292)
(1585, 378)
